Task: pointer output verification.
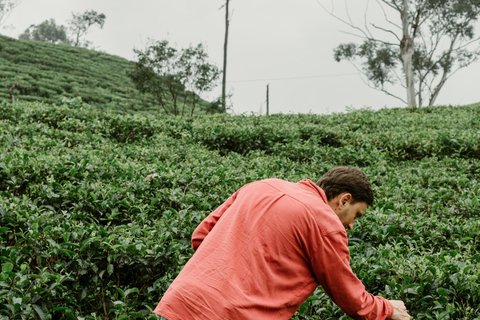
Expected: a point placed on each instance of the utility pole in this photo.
(224, 80)
(268, 98)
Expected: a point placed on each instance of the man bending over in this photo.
(263, 252)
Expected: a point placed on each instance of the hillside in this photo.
(48, 73)
(84, 234)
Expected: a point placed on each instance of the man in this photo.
(263, 252)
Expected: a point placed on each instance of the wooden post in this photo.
(268, 106)
(11, 92)
(225, 44)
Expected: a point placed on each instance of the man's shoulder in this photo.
(276, 182)
(303, 199)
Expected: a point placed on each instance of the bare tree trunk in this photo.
(406, 50)
(11, 92)
(420, 88)
(437, 89)
(224, 79)
(446, 67)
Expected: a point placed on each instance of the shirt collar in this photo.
(316, 188)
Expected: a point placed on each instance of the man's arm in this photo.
(209, 222)
(332, 269)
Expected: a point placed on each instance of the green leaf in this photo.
(122, 293)
(39, 311)
(467, 269)
(60, 308)
(443, 315)
(136, 315)
(410, 290)
(153, 201)
(128, 291)
(7, 267)
(475, 202)
(4, 167)
(442, 292)
(110, 269)
(454, 279)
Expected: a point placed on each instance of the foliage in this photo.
(47, 31)
(443, 37)
(84, 234)
(81, 23)
(52, 73)
(174, 78)
(6, 6)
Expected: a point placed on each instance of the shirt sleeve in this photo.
(332, 269)
(209, 222)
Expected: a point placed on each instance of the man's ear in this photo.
(346, 198)
(339, 201)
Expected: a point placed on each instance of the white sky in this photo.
(285, 43)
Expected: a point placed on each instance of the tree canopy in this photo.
(419, 46)
(176, 78)
(81, 23)
(47, 31)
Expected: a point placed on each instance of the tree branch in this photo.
(387, 31)
(374, 87)
(350, 24)
(386, 17)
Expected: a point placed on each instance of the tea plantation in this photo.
(84, 234)
(37, 71)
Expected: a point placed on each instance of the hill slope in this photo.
(48, 72)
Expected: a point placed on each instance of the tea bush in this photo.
(97, 209)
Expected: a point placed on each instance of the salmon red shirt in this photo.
(262, 253)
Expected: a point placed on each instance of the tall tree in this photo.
(197, 75)
(47, 31)
(421, 44)
(406, 52)
(6, 7)
(81, 23)
(176, 79)
(225, 46)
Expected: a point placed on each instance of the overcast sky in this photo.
(285, 43)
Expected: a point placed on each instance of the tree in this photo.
(175, 78)
(6, 7)
(428, 42)
(47, 31)
(81, 23)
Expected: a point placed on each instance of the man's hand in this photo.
(399, 310)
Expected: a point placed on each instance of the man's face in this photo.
(350, 212)
(346, 210)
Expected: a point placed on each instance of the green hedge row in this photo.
(97, 209)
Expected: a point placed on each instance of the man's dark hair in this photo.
(347, 179)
